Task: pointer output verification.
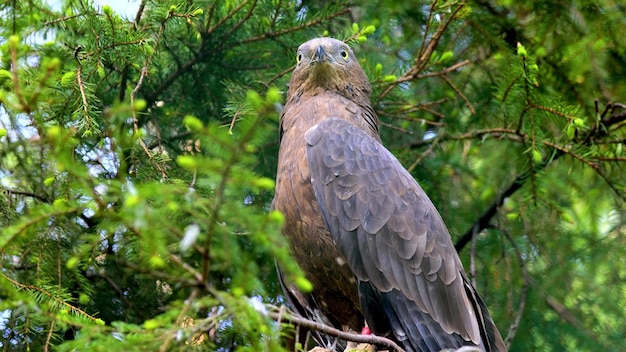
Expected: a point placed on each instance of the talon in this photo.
(366, 331)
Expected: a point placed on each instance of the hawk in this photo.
(360, 227)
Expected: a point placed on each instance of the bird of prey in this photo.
(360, 227)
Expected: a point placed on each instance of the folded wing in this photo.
(411, 280)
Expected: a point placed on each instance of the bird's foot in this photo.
(319, 349)
(361, 347)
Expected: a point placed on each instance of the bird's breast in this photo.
(309, 239)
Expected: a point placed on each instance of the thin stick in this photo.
(144, 73)
(523, 295)
(369, 339)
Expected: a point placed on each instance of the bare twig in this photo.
(232, 122)
(472, 271)
(564, 313)
(397, 128)
(296, 28)
(140, 10)
(458, 91)
(405, 108)
(81, 85)
(280, 74)
(419, 159)
(523, 295)
(509, 133)
(197, 276)
(276, 14)
(369, 339)
(46, 346)
(63, 19)
(144, 73)
(441, 73)
(606, 158)
(238, 24)
(24, 193)
(229, 15)
(426, 51)
(183, 312)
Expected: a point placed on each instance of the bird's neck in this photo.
(304, 110)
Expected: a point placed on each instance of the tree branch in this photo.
(426, 51)
(483, 221)
(497, 131)
(569, 317)
(25, 193)
(597, 131)
(354, 337)
(523, 295)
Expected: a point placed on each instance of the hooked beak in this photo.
(320, 55)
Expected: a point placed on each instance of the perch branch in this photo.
(354, 337)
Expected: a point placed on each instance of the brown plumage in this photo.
(360, 227)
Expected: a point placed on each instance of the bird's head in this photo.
(328, 64)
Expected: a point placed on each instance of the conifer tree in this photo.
(138, 157)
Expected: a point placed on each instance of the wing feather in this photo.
(393, 238)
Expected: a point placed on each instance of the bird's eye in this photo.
(299, 58)
(344, 55)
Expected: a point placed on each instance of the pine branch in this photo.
(228, 16)
(597, 131)
(483, 221)
(10, 233)
(49, 295)
(311, 23)
(187, 67)
(225, 37)
(25, 193)
(423, 57)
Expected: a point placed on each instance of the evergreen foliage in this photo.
(137, 159)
